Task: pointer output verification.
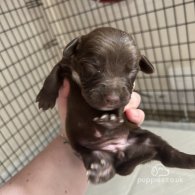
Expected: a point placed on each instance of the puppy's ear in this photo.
(49, 92)
(71, 47)
(145, 65)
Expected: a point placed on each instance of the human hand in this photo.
(134, 114)
(62, 105)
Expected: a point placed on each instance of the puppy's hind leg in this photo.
(168, 155)
(139, 151)
(148, 146)
(171, 157)
(129, 165)
(99, 165)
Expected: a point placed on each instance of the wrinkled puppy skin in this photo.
(101, 68)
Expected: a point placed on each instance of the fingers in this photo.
(133, 114)
(62, 99)
(62, 104)
(64, 90)
(134, 101)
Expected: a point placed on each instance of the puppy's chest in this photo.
(107, 133)
(115, 145)
(98, 138)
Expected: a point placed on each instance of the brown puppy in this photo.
(101, 68)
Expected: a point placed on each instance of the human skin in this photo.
(56, 170)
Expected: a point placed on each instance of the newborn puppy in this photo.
(101, 68)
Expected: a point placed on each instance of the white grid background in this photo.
(33, 35)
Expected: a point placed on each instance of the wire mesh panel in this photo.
(33, 35)
(27, 55)
(163, 31)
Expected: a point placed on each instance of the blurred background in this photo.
(33, 34)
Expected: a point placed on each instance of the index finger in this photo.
(134, 101)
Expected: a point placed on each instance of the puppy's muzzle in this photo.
(116, 98)
(113, 95)
(108, 96)
(112, 99)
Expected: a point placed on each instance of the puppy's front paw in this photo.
(46, 99)
(109, 120)
(100, 171)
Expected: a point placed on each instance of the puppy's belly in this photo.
(119, 144)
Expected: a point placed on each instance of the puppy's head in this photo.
(104, 63)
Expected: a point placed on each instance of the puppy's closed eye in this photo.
(89, 71)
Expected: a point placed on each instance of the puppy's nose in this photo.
(112, 99)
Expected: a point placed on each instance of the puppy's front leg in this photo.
(110, 121)
(49, 92)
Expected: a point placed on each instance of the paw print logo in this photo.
(159, 171)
